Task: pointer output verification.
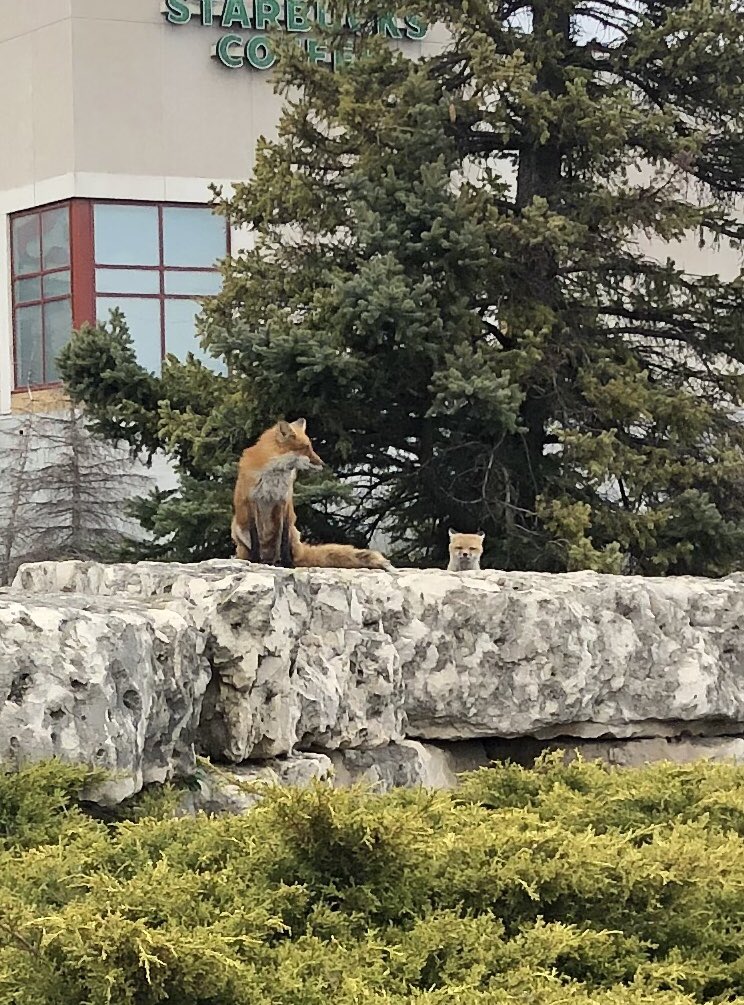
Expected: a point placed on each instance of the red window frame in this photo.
(83, 268)
(161, 268)
(38, 211)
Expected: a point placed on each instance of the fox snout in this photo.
(315, 460)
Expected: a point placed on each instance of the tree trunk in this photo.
(539, 176)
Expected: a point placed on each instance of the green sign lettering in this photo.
(235, 12)
(259, 54)
(342, 57)
(416, 27)
(322, 17)
(268, 14)
(295, 16)
(224, 55)
(177, 12)
(388, 26)
(316, 51)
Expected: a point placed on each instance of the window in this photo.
(42, 293)
(75, 262)
(153, 262)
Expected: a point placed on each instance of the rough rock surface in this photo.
(636, 753)
(224, 790)
(584, 655)
(114, 684)
(350, 663)
(298, 660)
(408, 764)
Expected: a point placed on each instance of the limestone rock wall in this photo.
(116, 684)
(396, 678)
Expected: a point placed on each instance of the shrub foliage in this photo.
(559, 885)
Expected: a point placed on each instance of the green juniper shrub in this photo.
(562, 885)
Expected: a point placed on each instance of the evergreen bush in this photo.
(561, 885)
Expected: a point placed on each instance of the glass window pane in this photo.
(193, 237)
(27, 289)
(126, 235)
(57, 332)
(55, 238)
(56, 284)
(143, 319)
(127, 281)
(26, 244)
(180, 333)
(193, 284)
(28, 346)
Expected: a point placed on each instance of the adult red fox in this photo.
(264, 522)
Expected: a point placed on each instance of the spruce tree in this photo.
(449, 282)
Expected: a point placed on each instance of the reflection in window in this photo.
(180, 325)
(152, 262)
(126, 235)
(128, 281)
(42, 307)
(27, 290)
(27, 244)
(194, 284)
(143, 320)
(56, 284)
(55, 238)
(57, 317)
(28, 344)
(192, 238)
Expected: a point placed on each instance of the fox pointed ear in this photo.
(451, 533)
(299, 424)
(481, 534)
(283, 430)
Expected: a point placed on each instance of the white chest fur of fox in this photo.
(465, 551)
(277, 480)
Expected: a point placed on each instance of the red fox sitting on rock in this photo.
(264, 523)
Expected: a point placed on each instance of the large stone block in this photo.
(637, 753)
(407, 765)
(114, 684)
(522, 654)
(313, 658)
(237, 789)
(296, 667)
(298, 661)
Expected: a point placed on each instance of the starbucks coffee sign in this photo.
(243, 23)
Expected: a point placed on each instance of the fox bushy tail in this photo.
(335, 556)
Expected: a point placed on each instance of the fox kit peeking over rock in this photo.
(465, 551)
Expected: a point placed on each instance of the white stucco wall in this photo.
(112, 101)
(109, 100)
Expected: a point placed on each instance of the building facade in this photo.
(118, 116)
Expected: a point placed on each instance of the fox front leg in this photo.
(255, 550)
(286, 559)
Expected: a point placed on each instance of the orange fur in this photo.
(465, 551)
(264, 525)
(337, 556)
